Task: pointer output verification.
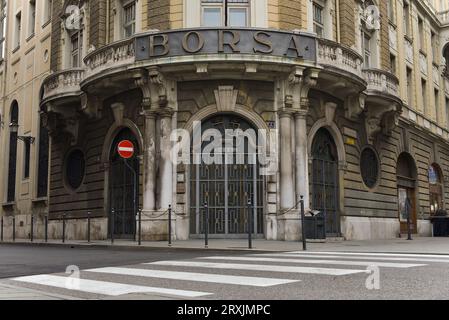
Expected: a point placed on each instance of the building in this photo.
(25, 49)
(353, 97)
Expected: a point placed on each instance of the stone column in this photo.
(301, 157)
(287, 193)
(149, 198)
(165, 178)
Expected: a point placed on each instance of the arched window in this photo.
(12, 166)
(446, 56)
(435, 189)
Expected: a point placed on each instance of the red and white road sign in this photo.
(125, 149)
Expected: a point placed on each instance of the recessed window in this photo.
(318, 22)
(366, 43)
(3, 19)
(218, 13)
(76, 41)
(129, 18)
(75, 169)
(18, 29)
(31, 17)
(369, 167)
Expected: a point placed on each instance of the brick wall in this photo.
(384, 35)
(158, 14)
(347, 22)
(290, 14)
(55, 59)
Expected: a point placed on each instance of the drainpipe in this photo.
(337, 9)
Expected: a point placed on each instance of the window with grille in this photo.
(369, 167)
(75, 169)
(218, 13)
(318, 23)
(42, 177)
(12, 165)
(129, 18)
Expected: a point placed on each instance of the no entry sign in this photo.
(125, 149)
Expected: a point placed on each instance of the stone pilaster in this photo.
(301, 155)
(287, 189)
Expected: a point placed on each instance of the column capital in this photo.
(286, 113)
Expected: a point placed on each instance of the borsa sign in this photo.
(225, 41)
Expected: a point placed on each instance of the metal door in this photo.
(123, 181)
(325, 180)
(226, 188)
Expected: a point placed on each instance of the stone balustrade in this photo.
(381, 82)
(335, 55)
(117, 54)
(63, 83)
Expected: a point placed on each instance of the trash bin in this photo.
(315, 226)
(440, 224)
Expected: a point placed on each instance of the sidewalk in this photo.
(10, 292)
(422, 245)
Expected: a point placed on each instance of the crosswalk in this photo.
(203, 277)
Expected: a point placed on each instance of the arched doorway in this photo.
(435, 189)
(406, 183)
(123, 188)
(325, 180)
(228, 182)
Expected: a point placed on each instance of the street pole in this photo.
(32, 231)
(303, 231)
(409, 231)
(140, 227)
(169, 225)
(46, 228)
(14, 228)
(2, 231)
(112, 225)
(249, 222)
(63, 228)
(88, 226)
(206, 226)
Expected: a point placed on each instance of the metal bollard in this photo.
(303, 217)
(140, 227)
(249, 225)
(88, 226)
(206, 226)
(14, 228)
(169, 225)
(63, 228)
(32, 228)
(1, 235)
(46, 228)
(112, 225)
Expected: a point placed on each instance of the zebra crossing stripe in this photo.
(103, 287)
(197, 277)
(290, 255)
(257, 267)
(374, 254)
(309, 261)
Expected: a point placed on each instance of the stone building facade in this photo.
(352, 96)
(25, 51)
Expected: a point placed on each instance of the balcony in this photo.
(64, 85)
(336, 56)
(381, 83)
(110, 58)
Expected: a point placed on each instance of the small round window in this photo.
(75, 169)
(369, 167)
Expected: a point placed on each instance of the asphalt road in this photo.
(224, 275)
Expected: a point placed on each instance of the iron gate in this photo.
(124, 190)
(325, 180)
(226, 187)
